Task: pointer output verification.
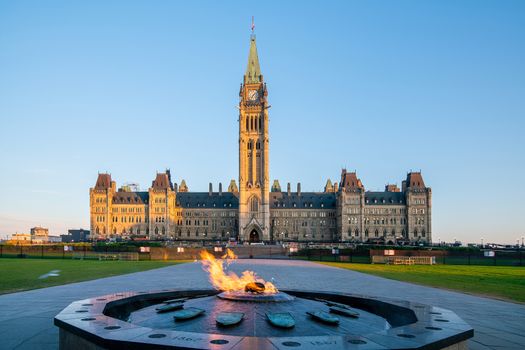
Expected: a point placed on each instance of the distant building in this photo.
(54, 239)
(39, 235)
(75, 235)
(20, 238)
(254, 211)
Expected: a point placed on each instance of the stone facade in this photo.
(252, 211)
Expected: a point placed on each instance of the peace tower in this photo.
(254, 207)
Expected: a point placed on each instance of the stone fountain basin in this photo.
(128, 320)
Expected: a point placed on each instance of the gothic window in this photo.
(254, 204)
(156, 230)
(376, 233)
(246, 123)
(356, 232)
(366, 233)
(423, 233)
(258, 145)
(98, 231)
(260, 123)
(163, 230)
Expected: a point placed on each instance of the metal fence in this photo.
(442, 257)
(361, 255)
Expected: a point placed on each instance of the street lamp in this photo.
(482, 242)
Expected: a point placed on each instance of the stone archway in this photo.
(254, 236)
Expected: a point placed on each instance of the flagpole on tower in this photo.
(253, 28)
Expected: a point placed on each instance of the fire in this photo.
(230, 281)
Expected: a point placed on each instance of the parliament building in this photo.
(254, 211)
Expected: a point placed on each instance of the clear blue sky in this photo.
(383, 87)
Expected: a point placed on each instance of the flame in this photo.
(230, 281)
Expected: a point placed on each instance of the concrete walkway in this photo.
(26, 318)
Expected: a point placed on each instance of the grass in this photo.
(23, 274)
(500, 282)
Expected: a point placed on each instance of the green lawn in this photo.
(23, 274)
(501, 282)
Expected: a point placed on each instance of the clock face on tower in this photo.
(252, 95)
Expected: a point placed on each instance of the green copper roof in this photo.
(253, 71)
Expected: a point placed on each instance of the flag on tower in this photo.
(253, 24)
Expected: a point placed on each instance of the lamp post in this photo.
(522, 241)
(482, 242)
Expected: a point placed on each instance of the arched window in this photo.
(393, 232)
(356, 232)
(156, 230)
(260, 123)
(423, 233)
(415, 232)
(254, 204)
(258, 145)
(98, 230)
(247, 124)
(366, 233)
(163, 230)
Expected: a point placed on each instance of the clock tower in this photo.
(254, 196)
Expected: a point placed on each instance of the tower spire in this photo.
(253, 70)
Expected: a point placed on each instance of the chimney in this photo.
(298, 188)
(175, 187)
(210, 191)
(288, 188)
(220, 188)
(404, 185)
(336, 187)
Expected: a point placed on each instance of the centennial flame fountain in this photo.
(246, 312)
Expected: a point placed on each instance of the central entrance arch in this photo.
(254, 236)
